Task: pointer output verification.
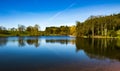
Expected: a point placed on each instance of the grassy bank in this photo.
(99, 37)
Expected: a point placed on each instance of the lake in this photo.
(59, 53)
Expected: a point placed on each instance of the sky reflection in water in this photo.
(59, 53)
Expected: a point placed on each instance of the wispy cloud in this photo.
(61, 12)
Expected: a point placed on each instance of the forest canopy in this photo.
(99, 26)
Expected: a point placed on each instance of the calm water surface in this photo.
(59, 53)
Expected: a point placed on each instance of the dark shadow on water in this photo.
(99, 48)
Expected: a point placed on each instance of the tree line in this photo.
(62, 30)
(94, 26)
(108, 26)
(34, 31)
(20, 31)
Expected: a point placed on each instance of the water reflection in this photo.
(99, 48)
(61, 41)
(34, 42)
(94, 48)
(59, 54)
(3, 41)
(21, 41)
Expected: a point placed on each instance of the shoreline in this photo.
(61, 35)
(105, 37)
(31, 36)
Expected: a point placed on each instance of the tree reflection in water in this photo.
(99, 48)
(3, 41)
(33, 41)
(94, 48)
(61, 41)
(21, 41)
(30, 41)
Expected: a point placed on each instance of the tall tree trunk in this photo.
(98, 31)
(105, 30)
(102, 30)
(93, 30)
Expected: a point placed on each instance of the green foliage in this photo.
(73, 30)
(99, 26)
(112, 33)
(93, 26)
(34, 31)
(20, 31)
(62, 30)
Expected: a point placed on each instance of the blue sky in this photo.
(53, 12)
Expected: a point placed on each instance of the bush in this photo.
(112, 33)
